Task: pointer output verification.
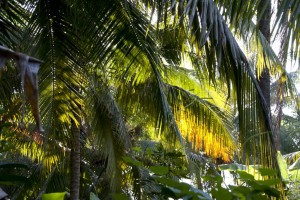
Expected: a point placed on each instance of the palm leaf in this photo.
(108, 126)
(287, 20)
(12, 18)
(211, 37)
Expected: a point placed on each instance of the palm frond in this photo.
(199, 121)
(52, 33)
(108, 126)
(97, 51)
(212, 38)
(239, 14)
(12, 18)
(203, 124)
(135, 48)
(266, 57)
(288, 20)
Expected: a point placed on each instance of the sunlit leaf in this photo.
(282, 166)
(159, 170)
(54, 196)
(295, 165)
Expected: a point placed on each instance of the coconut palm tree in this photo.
(104, 59)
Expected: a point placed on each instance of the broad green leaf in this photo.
(270, 182)
(173, 183)
(240, 190)
(263, 187)
(159, 170)
(245, 176)
(272, 192)
(256, 185)
(267, 172)
(54, 196)
(221, 194)
(257, 195)
(132, 161)
(282, 166)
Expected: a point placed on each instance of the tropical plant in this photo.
(291, 161)
(108, 68)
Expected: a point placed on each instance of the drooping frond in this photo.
(201, 123)
(107, 124)
(202, 114)
(212, 39)
(12, 18)
(287, 22)
(243, 16)
(133, 52)
(52, 38)
(265, 57)
(239, 14)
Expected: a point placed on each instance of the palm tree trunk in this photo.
(264, 15)
(75, 162)
(280, 88)
(264, 23)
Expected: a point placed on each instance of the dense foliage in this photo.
(137, 96)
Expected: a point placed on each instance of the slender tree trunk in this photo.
(264, 15)
(264, 23)
(280, 89)
(75, 163)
